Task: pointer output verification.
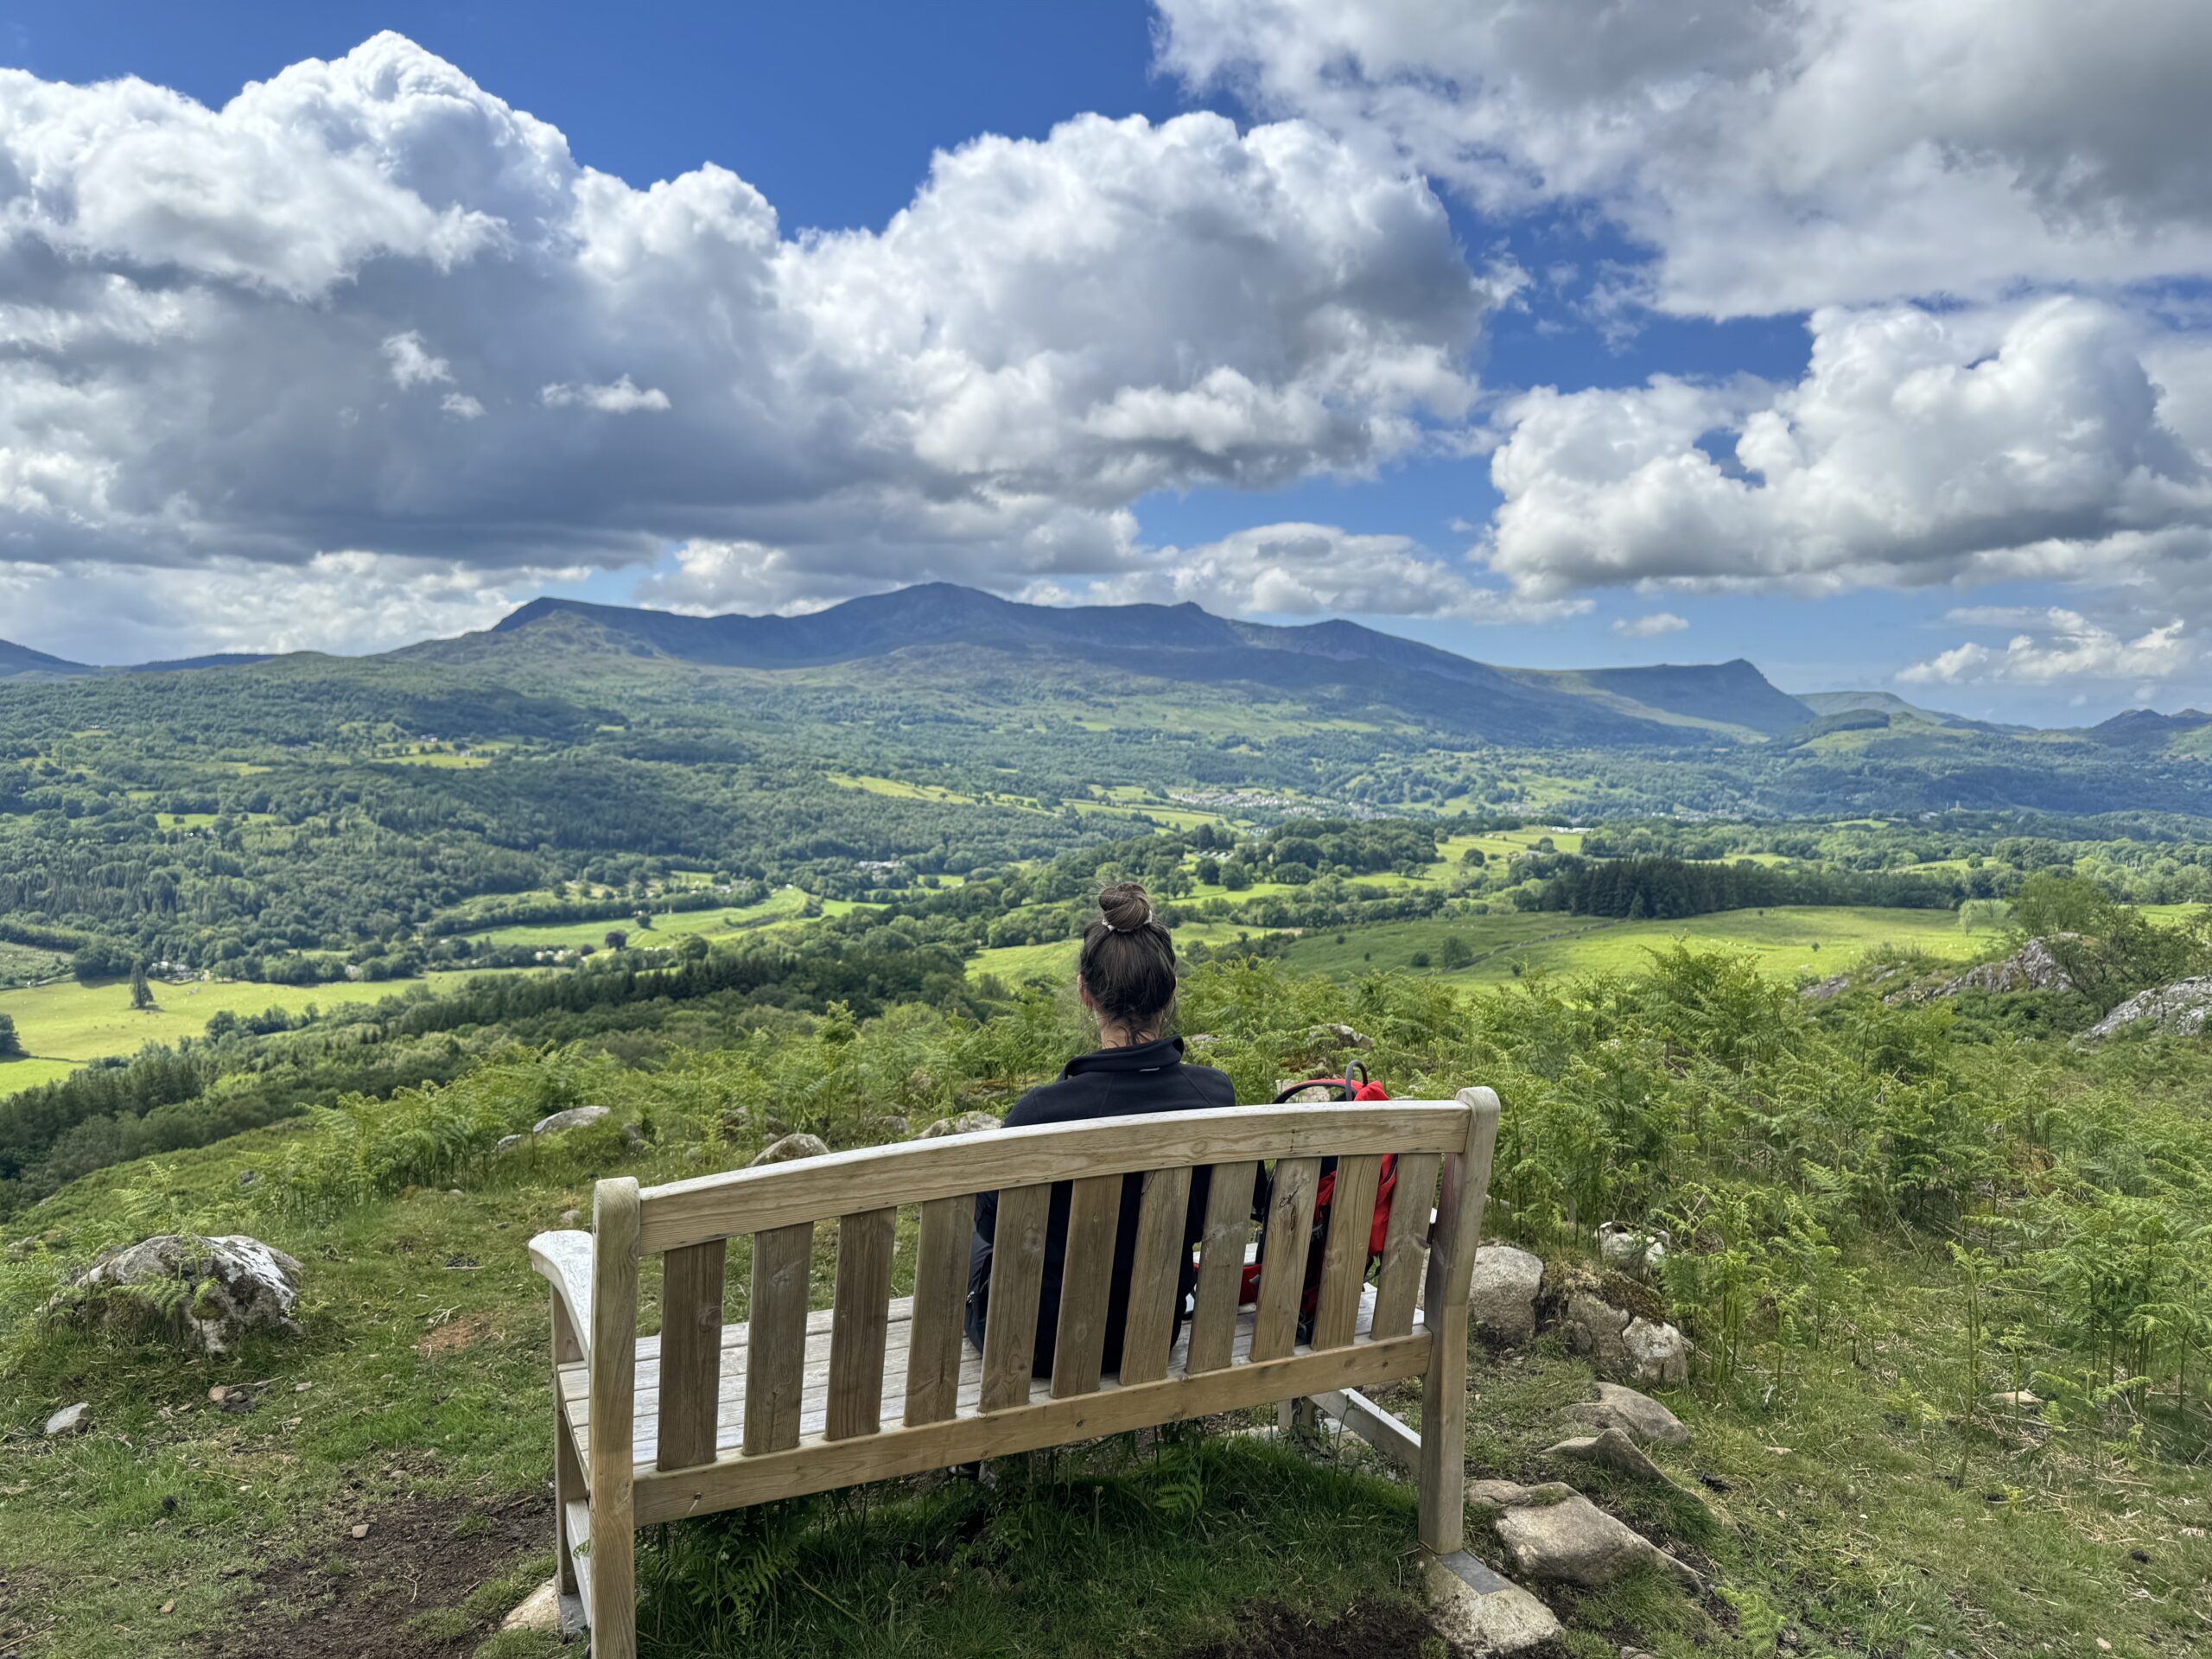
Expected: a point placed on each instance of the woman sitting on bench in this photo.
(1125, 976)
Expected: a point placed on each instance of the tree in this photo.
(142, 994)
(11, 1046)
(1457, 953)
(616, 938)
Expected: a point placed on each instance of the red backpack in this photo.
(1379, 1230)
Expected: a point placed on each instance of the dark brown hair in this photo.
(1128, 962)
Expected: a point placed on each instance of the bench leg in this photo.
(612, 1567)
(1444, 1437)
(568, 1472)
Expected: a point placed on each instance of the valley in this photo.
(737, 878)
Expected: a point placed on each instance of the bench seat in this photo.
(575, 1382)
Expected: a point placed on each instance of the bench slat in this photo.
(1221, 1264)
(1398, 1284)
(775, 1354)
(1344, 1258)
(690, 1352)
(1017, 1282)
(1155, 1275)
(862, 1317)
(940, 1300)
(817, 1466)
(1086, 1285)
(1282, 1280)
(714, 1206)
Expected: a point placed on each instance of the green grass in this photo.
(67, 1025)
(1782, 941)
(1014, 963)
(783, 904)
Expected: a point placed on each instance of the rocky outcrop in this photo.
(1506, 1285)
(2032, 967)
(2180, 1008)
(1556, 1536)
(965, 1123)
(1637, 1415)
(801, 1145)
(1625, 1346)
(210, 1292)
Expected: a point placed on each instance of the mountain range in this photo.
(1334, 669)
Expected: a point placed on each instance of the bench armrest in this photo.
(565, 1259)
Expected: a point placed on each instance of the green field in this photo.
(1786, 941)
(1015, 964)
(66, 1024)
(785, 904)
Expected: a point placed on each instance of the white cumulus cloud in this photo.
(367, 305)
(2069, 647)
(1920, 448)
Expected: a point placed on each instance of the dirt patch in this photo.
(350, 1597)
(1369, 1630)
(453, 1336)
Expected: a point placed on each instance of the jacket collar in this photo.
(1154, 1056)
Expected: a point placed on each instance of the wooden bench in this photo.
(700, 1418)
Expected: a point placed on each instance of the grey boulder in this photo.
(1503, 1300)
(70, 1420)
(965, 1123)
(1610, 1448)
(1476, 1611)
(1637, 1415)
(1556, 1536)
(801, 1145)
(211, 1292)
(576, 1117)
(1626, 1346)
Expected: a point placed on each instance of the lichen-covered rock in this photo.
(2180, 1008)
(1555, 1534)
(1476, 1611)
(576, 1117)
(1658, 1354)
(2032, 967)
(801, 1145)
(1337, 1036)
(1610, 1448)
(965, 1123)
(70, 1420)
(891, 1127)
(1638, 1415)
(210, 1292)
(507, 1143)
(1502, 1302)
(1632, 1249)
(1627, 1347)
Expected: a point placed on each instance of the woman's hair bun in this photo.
(1126, 907)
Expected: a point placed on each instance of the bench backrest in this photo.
(1443, 1150)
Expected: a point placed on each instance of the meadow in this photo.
(66, 1024)
(785, 904)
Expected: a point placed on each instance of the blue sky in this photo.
(2031, 574)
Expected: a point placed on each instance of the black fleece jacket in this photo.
(1112, 1082)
